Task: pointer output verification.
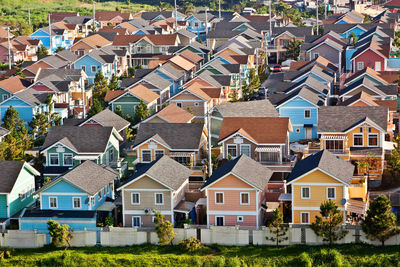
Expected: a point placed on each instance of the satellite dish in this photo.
(343, 201)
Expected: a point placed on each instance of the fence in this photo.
(222, 235)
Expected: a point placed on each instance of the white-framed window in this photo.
(239, 219)
(196, 104)
(360, 65)
(99, 195)
(108, 188)
(316, 55)
(219, 220)
(153, 219)
(219, 198)
(135, 198)
(373, 139)
(93, 201)
(111, 154)
(179, 104)
(331, 193)
(136, 221)
(159, 198)
(5, 97)
(307, 114)
(76, 202)
(305, 193)
(305, 217)
(54, 159)
(146, 155)
(83, 68)
(245, 149)
(159, 154)
(358, 139)
(232, 150)
(94, 69)
(53, 202)
(244, 198)
(68, 159)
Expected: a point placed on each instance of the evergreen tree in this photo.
(42, 51)
(61, 235)
(59, 49)
(96, 107)
(119, 111)
(329, 225)
(141, 112)
(394, 159)
(100, 86)
(250, 89)
(380, 222)
(113, 84)
(11, 119)
(293, 49)
(277, 228)
(40, 124)
(165, 229)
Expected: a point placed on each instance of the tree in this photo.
(96, 107)
(368, 163)
(353, 38)
(113, 84)
(42, 51)
(380, 222)
(59, 49)
(61, 235)
(251, 88)
(277, 228)
(119, 111)
(329, 225)
(141, 112)
(46, 181)
(25, 29)
(11, 120)
(394, 159)
(188, 8)
(164, 6)
(100, 86)
(293, 49)
(40, 124)
(366, 19)
(165, 230)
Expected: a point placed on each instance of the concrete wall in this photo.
(22, 239)
(122, 237)
(228, 235)
(83, 238)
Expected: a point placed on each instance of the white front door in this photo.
(377, 66)
(308, 133)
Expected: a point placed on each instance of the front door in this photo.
(308, 133)
(219, 221)
(378, 66)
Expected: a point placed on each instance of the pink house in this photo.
(235, 193)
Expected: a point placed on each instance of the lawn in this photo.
(149, 255)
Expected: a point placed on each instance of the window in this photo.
(68, 161)
(269, 156)
(99, 195)
(179, 104)
(153, 219)
(219, 198)
(159, 197)
(245, 150)
(305, 192)
(360, 65)
(334, 145)
(244, 199)
(136, 221)
(305, 217)
(76, 202)
(53, 159)
(316, 55)
(357, 140)
(239, 219)
(135, 198)
(307, 114)
(93, 201)
(53, 202)
(111, 154)
(5, 97)
(219, 220)
(196, 104)
(108, 188)
(94, 69)
(159, 154)
(232, 151)
(182, 160)
(196, 24)
(372, 139)
(331, 192)
(83, 68)
(146, 155)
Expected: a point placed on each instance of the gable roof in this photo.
(14, 84)
(258, 108)
(9, 172)
(368, 99)
(390, 89)
(367, 71)
(109, 119)
(182, 62)
(110, 95)
(245, 168)
(32, 97)
(304, 92)
(174, 114)
(328, 163)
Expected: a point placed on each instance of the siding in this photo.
(24, 183)
(3, 206)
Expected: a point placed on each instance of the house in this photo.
(12, 85)
(22, 48)
(79, 198)
(17, 188)
(370, 74)
(85, 24)
(57, 38)
(200, 24)
(87, 44)
(373, 87)
(68, 146)
(264, 139)
(106, 18)
(156, 186)
(321, 177)
(235, 193)
(170, 114)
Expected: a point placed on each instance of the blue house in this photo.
(168, 72)
(301, 107)
(17, 187)
(59, 38)
(197, 24)
(79, 198)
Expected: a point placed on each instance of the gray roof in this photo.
(67, 55)
(102, 57)
(390, 89)
(186, 33)
(296, 31)
(175, 135)
(258, 108)
(246, 168)
(59, 79)
(336, 119)
(32, 97)
(3, 131)
(110, 119)
(303, 92)
(166, 170)
(9, 172)
(78, 19)
(326, 161)
(170, 71)
(81, 139)
(157, 81)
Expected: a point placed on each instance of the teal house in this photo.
(16, 188)
(66, 147)
(80, 197)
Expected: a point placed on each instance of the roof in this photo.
(110, 95)
(264, 130)
(125, 40)
(174, 114)
(14, 84)
(162, 39)
(182, 62)
(110, 119)
(335, 119)
(95, 40)
(258, 108)
(390, 89)
(372, 101)
(327, 162)
(144, 93)
(245, 168)
(304, 92)
(9, 172)
(165, 170)
(175, 135)
(109, 15)
(369, 71)
(80, 139)
(32, 97)
(3, 132)
(193, 57)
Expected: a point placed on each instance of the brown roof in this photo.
(56, 16)
(369, 71)
(110, 95)
(182, 63)
(109, 15)
(372, 101)
(256, 18)
(3, 33)
(174, 114)
(144, 93)
(162, 39)
(128, 26)
(125, 40)
(191, 56)
(212, 92)
(14, 84)
(390, 76)
(295, 65)
(240, 59)
(96, 40)
(120, 31)
(391, 104)
(196, 89)
(261, 130)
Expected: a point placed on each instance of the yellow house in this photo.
(321, 177)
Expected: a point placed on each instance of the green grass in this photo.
(148, 255)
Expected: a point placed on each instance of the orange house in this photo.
(235, 193)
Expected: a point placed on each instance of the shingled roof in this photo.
(109, 119)
(9, 172)
(258, 108)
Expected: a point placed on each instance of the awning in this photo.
(271, 206)
(333, 137)
(308, 125)
(106, 206)
(86, 157)
(389, 145)
(180, 154)
(356, 206)
(268, 149)
(201, 201)
(285, 197)
(184, 206)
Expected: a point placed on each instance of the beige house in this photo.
(157, 186)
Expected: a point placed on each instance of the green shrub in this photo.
(109, 220)
(191, 244)
(302, 260)
(330, 257)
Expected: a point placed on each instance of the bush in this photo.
(109, 220)
(302, 260)
(191, 244)
(332, 257)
